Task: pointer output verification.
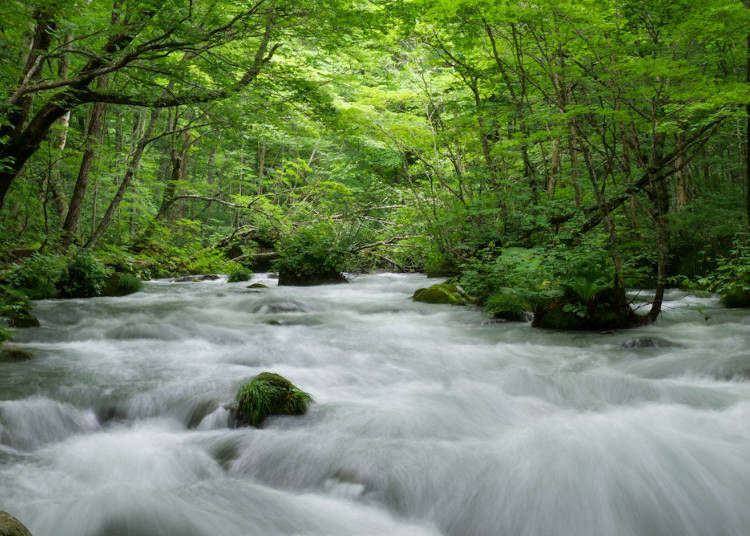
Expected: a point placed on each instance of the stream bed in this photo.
(428, 419)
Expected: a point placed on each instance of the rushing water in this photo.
(428, 420)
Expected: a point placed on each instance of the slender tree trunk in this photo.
(95, 121)
(133, 163)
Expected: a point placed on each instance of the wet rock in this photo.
(736, 297)
(267, 394)
(13, 354)
(22, 319)
(257, 285)
(290, 278)
(10, 526)
(444, 293)
(276, 306)
(646, 342)
(195, 278)
(606, 310)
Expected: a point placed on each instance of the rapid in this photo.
(428, 419)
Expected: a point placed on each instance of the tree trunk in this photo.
(95, 121)
(133, 163)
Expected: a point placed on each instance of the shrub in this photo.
(239, 273)
(83, 276)
(313, 254)
(121, 285)
(208, 261)
(38, 276)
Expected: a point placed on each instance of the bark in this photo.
(96, 119)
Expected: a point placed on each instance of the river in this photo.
(428, 420)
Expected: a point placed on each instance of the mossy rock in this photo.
(22, 319)
(736, 298)
(442, 293)
(13, 354)
(606, 310)
(119, 284)
(257, 285)
(306, 279)
(268, 394)
(10, 526)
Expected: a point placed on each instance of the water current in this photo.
(428, 419)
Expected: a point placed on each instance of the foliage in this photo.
(313, 250)
(38, 276)
(239, 273)
(82, 277)
(121, 284)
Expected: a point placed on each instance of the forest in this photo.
(539, 153)
(366, 267)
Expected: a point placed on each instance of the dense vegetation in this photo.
(547, 153)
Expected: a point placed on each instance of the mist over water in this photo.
(428, 419)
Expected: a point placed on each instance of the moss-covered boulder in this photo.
(268, 394)
(305, 278)
(10, 526)
(13, 354)
(736, 297)
(445, 293)
(257, 286)
(605, 310)
(119, 284)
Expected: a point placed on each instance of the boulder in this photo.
(257, 285)
(120, 284)
(267, 394)
(13, 354)
(736, 297)
(195, 278)
(444, 293)
(290, 278)
(22, 319)
(10, 526)
(606, 310)
(646, 342)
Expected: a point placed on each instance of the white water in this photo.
(427, 421)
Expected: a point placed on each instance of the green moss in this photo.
(239, 274)
(14, 354)
(119, 284)
(10, 526)
(444, 293)
(269, 394)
